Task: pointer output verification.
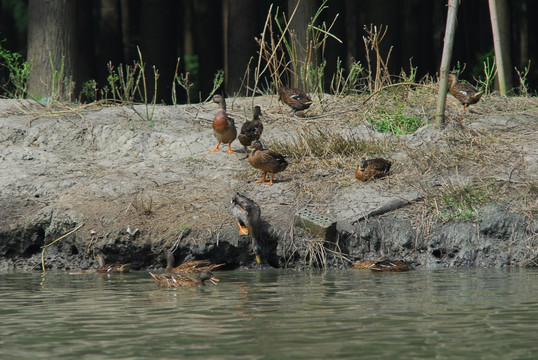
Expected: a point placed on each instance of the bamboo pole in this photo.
(498, 46)
(450, 31)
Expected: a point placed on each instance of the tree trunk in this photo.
(450, 31)
(51, 46)
(299, 31)
(160, 32)
(501, 39)
(240, 29)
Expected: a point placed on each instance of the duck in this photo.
(390, 265)
(464, 92)
(194, 266)
(111, 268)
(251, 130)
(247, 214)
(178, 280)
(295, 98)
(223, 126)
(363, 264)
(373, 168)
(267, 161)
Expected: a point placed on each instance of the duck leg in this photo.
(242, 230)
(230, 151)
(216, 147)
(271, 181)
(262, 180)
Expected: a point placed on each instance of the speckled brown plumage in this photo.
(372, 169)
(248, 214)
(251, 130)
(390, 265)
(223, 125)
(194, 266)
(464, 92)
(295, 98)
(111, 268)
(179, 280)
(266, 160)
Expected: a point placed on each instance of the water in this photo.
(441, 314)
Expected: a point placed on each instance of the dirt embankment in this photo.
(139, 188)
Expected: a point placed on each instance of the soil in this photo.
(139, 187)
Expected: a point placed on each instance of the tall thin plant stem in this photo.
(445, 60)
(498, 45)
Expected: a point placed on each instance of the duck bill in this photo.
(214, 280)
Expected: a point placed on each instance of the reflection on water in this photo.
(351, 314)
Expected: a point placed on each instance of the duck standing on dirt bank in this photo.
(295, 98)
(223, 126)
(251, 130)
(267, 161)
(194, 266)
(372, 169)
(464, 92)
(248, 213)
(178, 280)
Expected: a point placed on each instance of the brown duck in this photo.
(295, 98)
(371, 169)
(251, 130)
(248, 213)
(111, 268)
(223, 126)
(194, 266)
(464, 92)
(390, 265)
(267, 161)
(178, 280)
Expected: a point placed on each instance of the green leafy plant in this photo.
(217, 82)
(523, 79)
(342, 85)
(396, 121)
(490, 71)
(461, 202)
(18, 72)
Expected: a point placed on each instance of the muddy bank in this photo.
(142, 187)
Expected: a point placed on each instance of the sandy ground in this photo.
(107, 168)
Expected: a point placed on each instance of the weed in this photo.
(490, 71)
(396, 121)
(460, 202)
(372, 42)
(217, 82)
(182, 80)
(18, 72)
(342, 85)
(523, 81)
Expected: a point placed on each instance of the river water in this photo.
(275, 314)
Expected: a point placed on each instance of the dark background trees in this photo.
(209, 35)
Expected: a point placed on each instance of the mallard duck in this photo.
(267, 161)
(178, 280)
(464, 92)
(363, 264)
(247, 213)
(111, 268)
(194, 266)
(251, 130)
(223, 125)
(295, 98)
(390, 265)
(374, 168)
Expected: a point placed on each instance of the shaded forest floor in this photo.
(156, 183)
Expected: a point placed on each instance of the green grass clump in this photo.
(396, 121)
(461, 202)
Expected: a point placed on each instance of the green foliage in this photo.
(461, 202)
(490, 71)
(342, 85)
(17, 71)
(217, 82)
(89, 91)
(395, 121)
